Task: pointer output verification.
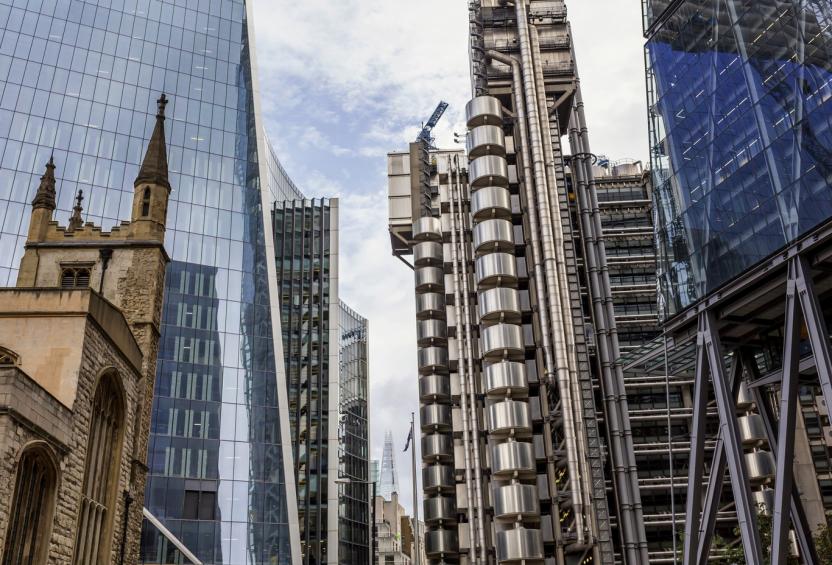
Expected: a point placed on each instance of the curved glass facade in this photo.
(741, 136)
(79, 79)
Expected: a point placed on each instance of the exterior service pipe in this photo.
(479, 504)
(537, 268)
(549, 260)
(579, 140)
(550, 196)
(463, 365)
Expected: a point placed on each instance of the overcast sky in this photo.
(343, 83)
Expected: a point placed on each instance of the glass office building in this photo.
(354, 440)
(79, 80)
(740, 98)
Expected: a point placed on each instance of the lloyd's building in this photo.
(79, 80)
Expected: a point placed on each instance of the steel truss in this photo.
(802, 308)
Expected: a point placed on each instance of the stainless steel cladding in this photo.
(752, 429)
(441, 542)
(427, 253)
(438, 478)
(503, 340)
(441, 509)
(437, 447)
(494, 236)
(488, 170)
(519, 545)
(491, 202)
(500, 305)
(506, 378)
(435, 418)
(430, 305)
(427, 229)
(485, 140)
(483, 110)
(509, 417)
(431, 332)
(760, 465)
(435, 388)
(513, 458)
(516, 501)
(496, 269)
(429, 279)
(433, 360)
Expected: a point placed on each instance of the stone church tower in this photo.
(79, 337)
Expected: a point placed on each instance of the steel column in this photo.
(784, 479)
(746, 516)
(815, 326)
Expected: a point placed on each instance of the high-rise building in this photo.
(739, 109)
(389, 476)
(524, 417)
(79, 336)
(354, 492)
(79, 80)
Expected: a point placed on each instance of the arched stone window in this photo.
(146, 201)
(101, 474)
(33, 504)
(8, 358)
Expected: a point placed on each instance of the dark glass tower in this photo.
(78, 80)
(741, 142)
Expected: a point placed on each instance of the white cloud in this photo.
(345, 82)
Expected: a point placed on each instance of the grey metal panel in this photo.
(506, 376)
(440, 509)
(488, 170)
(485, 140)
(496, 268)
(429, 279)
(483, 110)
(512, 457)
(435, 388)
(427, 253)
(433, 359)
(517, 500)
(519, 544)
(427, 229)
(438, 478)
(499, 304)
(760, 465)
(509, 416)
(491, 202)
(435, 418)
(430, 332)
(502, 339)
(437, 447)
(494, 235)
(752, 429)
(440, 542)
(430, 305)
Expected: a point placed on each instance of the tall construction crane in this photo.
(425, 134)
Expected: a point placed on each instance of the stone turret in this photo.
(151, 189)
(43, 205)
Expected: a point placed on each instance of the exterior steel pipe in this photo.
(595, 256)
(534, 170)
(472, 393)
(463, 368)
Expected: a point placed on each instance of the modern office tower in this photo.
(79, 81)
(739, 109)
(389, 477)
(519, 394)
(354, 542)
(306, 254)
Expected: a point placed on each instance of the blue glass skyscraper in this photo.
(79, 80)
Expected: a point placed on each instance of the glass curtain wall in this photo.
(354, 441)
(79, 80)
(740, 98)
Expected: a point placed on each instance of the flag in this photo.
(409, 437)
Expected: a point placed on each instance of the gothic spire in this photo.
(45, 196)
(155, 165)
(76, 221)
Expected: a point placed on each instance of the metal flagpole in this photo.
(416, 539)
